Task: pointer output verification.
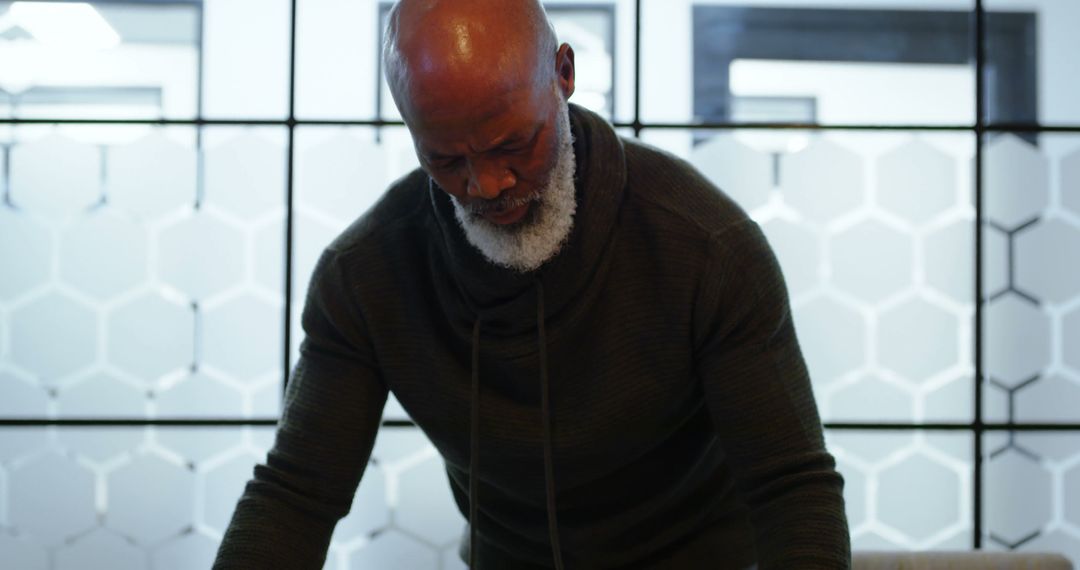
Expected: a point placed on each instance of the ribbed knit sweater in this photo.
(639, 401)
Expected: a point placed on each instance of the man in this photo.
(597, 340)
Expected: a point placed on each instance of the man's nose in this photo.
(487, 181)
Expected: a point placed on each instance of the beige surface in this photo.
(975, 560)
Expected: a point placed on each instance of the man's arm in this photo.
(758, 393)
(332, 411)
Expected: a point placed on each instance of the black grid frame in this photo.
(982, 127)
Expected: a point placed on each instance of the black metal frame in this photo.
(982, 127)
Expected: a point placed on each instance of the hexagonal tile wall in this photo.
(245, 176)
(150, 336)
(26, 249)
(103, 254)
(1046, 260)
(919, 479)
(1017, 339)
(1070, 182)
(341, 177)
(23, 554)
(151, 176)
(822, 194)
(1012, 516)
(149, 499)
(101, 549)
(798, 249)
(872, 261)
(53, 336)
(738, 170)
(201, 255)
(918, 339)
(833, 337)
(40, 187)
(243, 337)
(917, 194)
(51, 498)
(1016, 181)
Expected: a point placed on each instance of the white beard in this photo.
(526, 245)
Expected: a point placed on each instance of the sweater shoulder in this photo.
(671, 189)
(401, 208)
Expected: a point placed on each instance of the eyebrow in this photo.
(501, 142)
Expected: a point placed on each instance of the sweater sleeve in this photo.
(332, 410)
(758, 393)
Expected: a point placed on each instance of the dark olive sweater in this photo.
(640, 401)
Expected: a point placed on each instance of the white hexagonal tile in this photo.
(1053, 398)
(1010, 513)
(1017, 339)
(101, 395)
(151, 176)
(52, 498)
(150, 499)
(243, 337)
(871, 261)
(394, 445)
(25, 254)
(426, 505)
(1016, 181)
(451, 559)
(101, 549)
(855, 493)
(393, 549)
(270, 256)
(951, 401)
(103, 254)
(150, 336)
(369, 511)
(341, 177)
(1071, 500)
(1046, 260)
(797, 249)
(916, 181)
(949, 260)
(1050, 446)
(41, 185)
(823, 181)
(869, 447)
(192, 550)
(918, 339)
(1070, 182)
(19, 399)
(266, 400)
(48, 323)
(870, 399)
(101, 443)
(202, 255)
(918, 497)
(196, 444)
(1070, 337)
(18, 442)
(833, 338)
(741, 172)
(222, 488)
(246, 175)
(22, 554)
(199, 395)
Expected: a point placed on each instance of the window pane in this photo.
(1028, 476)
(874, 232)
(906, 490)
(1031, 73)
(1031, 329)
(340, 76)
(856, 61)
(145, 282)
(142, 60)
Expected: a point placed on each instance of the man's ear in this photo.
(564, 66)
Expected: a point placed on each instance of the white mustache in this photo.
(501, 204)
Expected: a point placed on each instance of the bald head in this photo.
(439, 51)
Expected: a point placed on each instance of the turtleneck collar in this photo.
(503, 297)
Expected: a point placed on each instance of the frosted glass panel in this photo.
(1032, 325)
(246, 58)
(874, 234)
(834, 62)
(1030, 41)
(906, 490)
(339, 76)
(135, 286)
(164, 498)
(1032, 492)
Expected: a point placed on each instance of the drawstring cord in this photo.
(549, 472)
(474, 438)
